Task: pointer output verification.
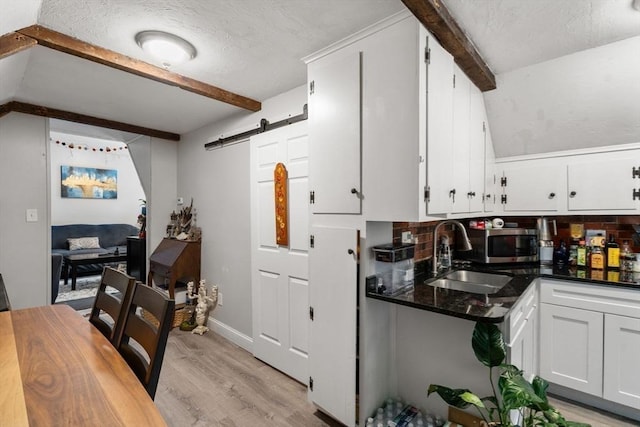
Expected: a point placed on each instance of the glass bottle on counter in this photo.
(581, 254)
(613, 252)
(626, 257)
(597, 256)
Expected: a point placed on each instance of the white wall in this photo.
(587, 99)
(218, 181)
(163, 168)
(123, 210)
(24, 246)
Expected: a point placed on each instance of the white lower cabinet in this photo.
(622, 360)
(333, 286)
(590, 339)
(522, 344)
(571, 348)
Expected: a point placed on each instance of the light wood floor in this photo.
(209, 381)
(574, 412)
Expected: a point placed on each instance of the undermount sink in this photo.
(471, 281)
(479, 277)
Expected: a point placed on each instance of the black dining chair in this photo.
(110, 308)
(146, 329)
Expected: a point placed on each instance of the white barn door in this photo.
(279, 274)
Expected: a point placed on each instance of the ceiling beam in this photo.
(11, 43)
(436, 18)
(63, 43)
(37, 110)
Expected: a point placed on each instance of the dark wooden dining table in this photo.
(56, 368)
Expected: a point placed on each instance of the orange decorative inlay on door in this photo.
(280, 179)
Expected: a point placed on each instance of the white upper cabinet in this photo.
(460, 137)
(477, 147)
(334, 133)
(588, 182)
(467, 161)
(393, 103)
(491, 198)
(439, 129)
(395, 84)
(407, 124)
(531, 186)
(604, 182)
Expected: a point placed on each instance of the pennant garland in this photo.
(85, 147)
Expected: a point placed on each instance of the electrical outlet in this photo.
(180, 201)
(220, 299)
(407, 237)
(32, 215)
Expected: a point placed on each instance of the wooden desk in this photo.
(172, 261)
(58, 369)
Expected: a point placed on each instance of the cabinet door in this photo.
(476, 149)
(603, 184)
(571, 348)
(460, 136)
(621, 363)
(332, 336)
(439, 128)
(522, 333)
(531, 186)
(491, 191)
(334, 133)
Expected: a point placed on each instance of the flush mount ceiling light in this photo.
(167, 47)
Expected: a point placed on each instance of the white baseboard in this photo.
(236, 337)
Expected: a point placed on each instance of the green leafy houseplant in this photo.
(515, 392)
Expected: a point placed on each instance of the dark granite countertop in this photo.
(493, 308)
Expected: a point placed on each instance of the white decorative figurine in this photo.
(204, 305)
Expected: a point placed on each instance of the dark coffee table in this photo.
(71, 263)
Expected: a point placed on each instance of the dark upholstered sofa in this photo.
(109, 237)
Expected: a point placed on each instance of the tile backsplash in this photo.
(620, 226)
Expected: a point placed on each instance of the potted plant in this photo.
(514, 392)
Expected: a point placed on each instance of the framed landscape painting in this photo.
(88, 183)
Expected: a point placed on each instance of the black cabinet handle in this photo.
(471, 194)
(572, 194)
(552, 195)
(350, 252)
(354, 191)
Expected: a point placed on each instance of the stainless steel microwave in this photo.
(503, 245)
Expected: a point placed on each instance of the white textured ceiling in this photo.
(249, 47)
(253, 47)
(511, 34)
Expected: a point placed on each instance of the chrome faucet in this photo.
(466, 244)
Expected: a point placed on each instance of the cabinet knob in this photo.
(471, 194)
(350, 252)
(354, 191)
(452, 192)
(572, 194)
(552, 195)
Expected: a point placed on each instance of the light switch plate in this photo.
(32, 215)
